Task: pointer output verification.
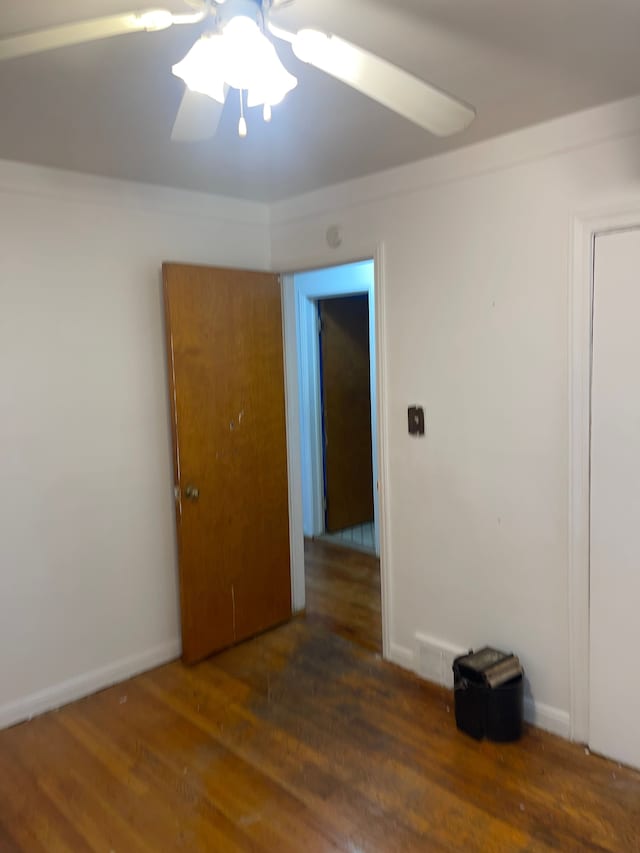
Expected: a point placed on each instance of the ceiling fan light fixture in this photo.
(271, 90)
(252, 64)
(240, 56)
(202, 69)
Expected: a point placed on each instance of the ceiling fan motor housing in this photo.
(234, 8)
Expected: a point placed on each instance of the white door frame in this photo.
(585, 230)
(376, 252)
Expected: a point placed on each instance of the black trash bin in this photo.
(488, 691)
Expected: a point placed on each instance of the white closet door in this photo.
(615, 500)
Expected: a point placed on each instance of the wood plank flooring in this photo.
(360, 538)
(300, 740)
(343, 592)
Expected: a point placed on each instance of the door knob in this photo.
(192, 493)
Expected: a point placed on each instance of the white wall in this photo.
(88, 574)
(309, 288)
(477, 250)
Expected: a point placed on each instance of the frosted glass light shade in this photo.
(270, 92)
(241, 57)
(202, 68)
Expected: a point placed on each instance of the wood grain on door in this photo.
(226, 386)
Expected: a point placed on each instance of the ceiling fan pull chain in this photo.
(242, 124)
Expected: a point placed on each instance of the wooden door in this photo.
(226, 385)
(615, 500)
(346, 399)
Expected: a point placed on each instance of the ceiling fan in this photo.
(237, 52)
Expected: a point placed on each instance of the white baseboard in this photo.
(547, 717)
(543, 716)
(403, 657)
(87, 683)
(435, 657)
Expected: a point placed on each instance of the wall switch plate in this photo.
(416, 420)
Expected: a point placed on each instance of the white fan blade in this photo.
(420, 102)
(198, 117)
(92, 30)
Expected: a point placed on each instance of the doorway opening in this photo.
(337, 402)
(345, 415)
(338, 419)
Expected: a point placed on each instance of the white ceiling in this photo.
(108, 107)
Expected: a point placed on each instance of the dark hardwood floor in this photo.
(343, 592)
(300, 740)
